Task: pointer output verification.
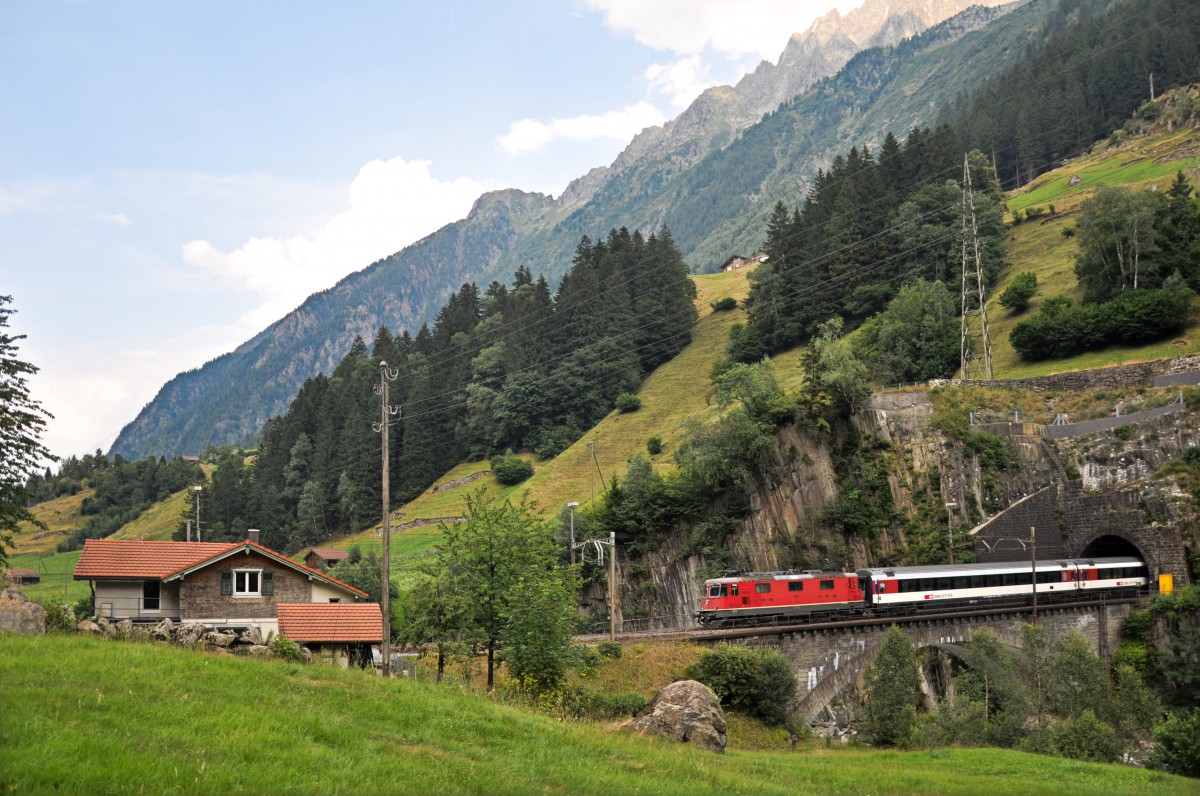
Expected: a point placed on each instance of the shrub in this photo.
(609, 649)
(727, 303)
(654, 446)
(581, 701)
(510, 469)
(83, 607)
(1177, 745)
(1085, 738)
(287, 649)
(628, 402)
(59, 617)
(756, 680)
(1136, 316)
(1017, 295)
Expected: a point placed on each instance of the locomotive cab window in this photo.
(762, 588)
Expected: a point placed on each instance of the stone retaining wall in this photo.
(1139, 374)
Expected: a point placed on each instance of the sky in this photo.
(176, 176)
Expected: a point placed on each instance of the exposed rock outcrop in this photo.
(687, 711)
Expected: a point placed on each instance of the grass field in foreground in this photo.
(86, 715)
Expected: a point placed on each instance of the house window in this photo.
(246, 582)
(150, 595)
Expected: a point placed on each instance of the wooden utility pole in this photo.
(386, 411)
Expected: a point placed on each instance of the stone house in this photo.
(341, 632)
(218, 584)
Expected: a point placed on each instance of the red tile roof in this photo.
(331, 622)
(330, 554)
(116, 558)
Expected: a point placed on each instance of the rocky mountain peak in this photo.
(719, 115)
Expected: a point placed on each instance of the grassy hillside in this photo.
(61, 517)
(1142, 163)
(94, 716)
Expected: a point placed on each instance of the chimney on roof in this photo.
(252, 535)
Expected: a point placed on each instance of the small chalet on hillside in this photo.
(325, 557)
(233, 585)
(738, 261)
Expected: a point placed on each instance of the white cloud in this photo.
(681, 81)
(528, 135)
(391, 204)
(733, 28)
(120, 219)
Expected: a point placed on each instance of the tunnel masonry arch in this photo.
(1074, 523)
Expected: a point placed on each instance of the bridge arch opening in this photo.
(1111, 546)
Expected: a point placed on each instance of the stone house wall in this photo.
(200, 595)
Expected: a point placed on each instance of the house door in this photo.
(150, 593)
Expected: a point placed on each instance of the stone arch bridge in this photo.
(828, 657)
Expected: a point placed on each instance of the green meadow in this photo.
(94, 716)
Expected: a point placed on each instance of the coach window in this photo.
(796, 585)
(977, 581)
(827, 585)
(762, 588)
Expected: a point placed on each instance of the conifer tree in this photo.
(22, 422)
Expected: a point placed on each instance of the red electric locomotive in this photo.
(768, 595)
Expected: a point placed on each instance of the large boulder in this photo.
(88, 626)
(687, 711)
(19, 615)
(251, 635)
(189, 633)
(164, 630)
(107, 626)
(125, 628)
(219, 639)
